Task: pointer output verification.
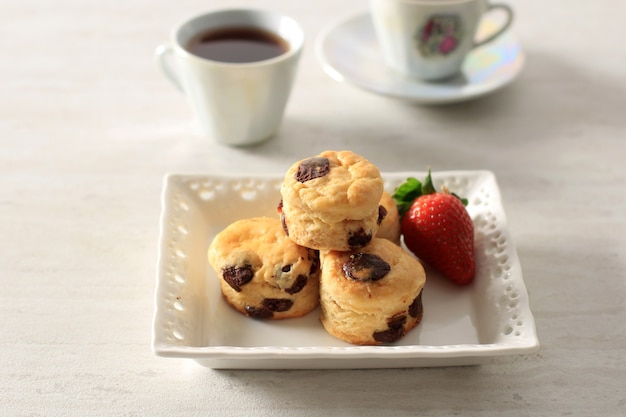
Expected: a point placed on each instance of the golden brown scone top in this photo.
(406, 276)
(350, 187)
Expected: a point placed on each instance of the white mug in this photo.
(429, 39)
(235, 103)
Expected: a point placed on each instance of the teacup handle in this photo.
(164, 55)
(509, 19)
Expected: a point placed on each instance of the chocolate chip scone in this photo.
(263, 273)
(389, 227)
(373, 295)
(332, 201)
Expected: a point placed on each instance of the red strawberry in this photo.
(437, 228)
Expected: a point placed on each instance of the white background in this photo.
(89, 126)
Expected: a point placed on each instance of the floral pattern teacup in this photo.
(429, 39)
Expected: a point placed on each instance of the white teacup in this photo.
(238, 98)
(429, 39)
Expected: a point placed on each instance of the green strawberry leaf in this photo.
(463, 200)
(406, 193)
(428, 187)
(412, 188)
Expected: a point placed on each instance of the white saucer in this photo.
(349, 52)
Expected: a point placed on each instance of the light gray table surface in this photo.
(89, 126)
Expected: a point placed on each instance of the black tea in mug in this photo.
(237, 45)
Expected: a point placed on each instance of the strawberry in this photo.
(437, 228)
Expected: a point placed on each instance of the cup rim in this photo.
(294, 48)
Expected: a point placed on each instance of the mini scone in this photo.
(262, 273)
(373, 295)
(389, 227)
(332, 201)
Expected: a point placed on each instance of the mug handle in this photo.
(509, 19)
(164, 54)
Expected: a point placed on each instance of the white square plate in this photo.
(461, 325)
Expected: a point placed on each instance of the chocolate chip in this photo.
(236, 276)
(359, 239)
(258, 312)
(387, 336)
(382, 213)
(314, 257)
(394, 332)
(312, 168)
(298, 285)
(280, 211)
(283, 221)
(366, 267)
(396, 322)
(277, 304)
(416, 309)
